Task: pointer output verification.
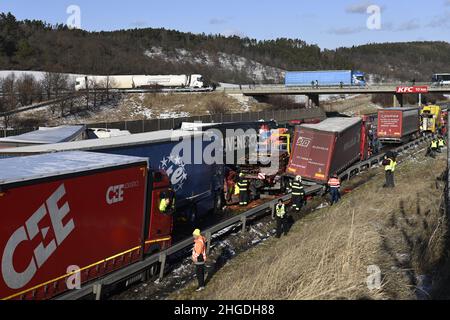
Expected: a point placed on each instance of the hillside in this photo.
(337, 248)
(36, 45)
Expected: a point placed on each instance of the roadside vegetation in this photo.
(330, 253)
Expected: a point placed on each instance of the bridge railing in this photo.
(267, 87)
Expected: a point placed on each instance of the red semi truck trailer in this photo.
(320, 150)
(398, 125)
(72, 217)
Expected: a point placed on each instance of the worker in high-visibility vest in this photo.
(166, 204)
(199, 258)
(335, 185)
(281, 218)
(390, 165)
(433, 148)
(298, 193)
(434, 144)
(441, 144)
(244, 185)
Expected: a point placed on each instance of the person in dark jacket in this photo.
(244, 188)
(298, 194)
(390, 164)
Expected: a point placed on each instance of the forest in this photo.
(37, 45)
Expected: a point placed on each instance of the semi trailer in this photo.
(325, 78)
(398, 125)
(329, 147)
(72, 217)
(198, 184)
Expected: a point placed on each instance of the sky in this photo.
(329, 24)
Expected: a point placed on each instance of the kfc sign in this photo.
(415, 89)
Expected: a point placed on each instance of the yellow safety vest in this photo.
(391, 166)
(281, 211)
(441, 143)
(163, 205)
(434, 144)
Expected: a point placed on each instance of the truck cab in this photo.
(359, 78)
(430, 119)
(197, 81)
(159, 218)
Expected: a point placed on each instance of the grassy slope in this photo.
(327, 253)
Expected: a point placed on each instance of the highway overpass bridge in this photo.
(398, 90)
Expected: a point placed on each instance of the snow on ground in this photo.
(226, 61)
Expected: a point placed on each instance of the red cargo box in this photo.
(67, 209)
(397, 124)
(323, 149)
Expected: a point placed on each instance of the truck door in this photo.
(161, 210)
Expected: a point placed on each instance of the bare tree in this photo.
(26, 88)
(107, 84)
(60, 82)
(46, 84)
(54, 84)
(9, 100)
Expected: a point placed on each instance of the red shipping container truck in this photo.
(75, 211)
(320, 150)
(398, 125)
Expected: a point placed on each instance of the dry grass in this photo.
(356, 106)
(326, 254)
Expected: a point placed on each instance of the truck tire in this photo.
(153, 271)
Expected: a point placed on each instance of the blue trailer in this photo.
(198, 187)
(325, 78)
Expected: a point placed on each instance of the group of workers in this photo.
(436, 146)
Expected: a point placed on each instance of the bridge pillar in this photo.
(398, 100)
(313, 100)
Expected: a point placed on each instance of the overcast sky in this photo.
(329, 24)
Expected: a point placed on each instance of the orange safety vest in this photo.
(199, 248)
(334, 183)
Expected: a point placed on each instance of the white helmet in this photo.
(298, 178)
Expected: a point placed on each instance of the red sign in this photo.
(415, 89)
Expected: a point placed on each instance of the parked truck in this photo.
(198, 185)
(398, 125)
(329, 147)
(325, 78)
(72, 216)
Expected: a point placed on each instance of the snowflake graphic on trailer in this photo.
(176, 170)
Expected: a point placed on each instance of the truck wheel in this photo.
(153, 271)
